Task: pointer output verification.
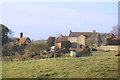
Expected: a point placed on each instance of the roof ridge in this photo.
(85, 32)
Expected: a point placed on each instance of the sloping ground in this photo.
(40, 42)
(100, 65)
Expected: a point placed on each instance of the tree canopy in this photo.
(66, 44)
(4, 33)
(51, 41)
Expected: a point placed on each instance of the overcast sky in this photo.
(39, 20)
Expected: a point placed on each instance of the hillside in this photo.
(40, 42)
(100, 65)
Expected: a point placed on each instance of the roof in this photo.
(87, 34)
(21, 40)
(60, 39)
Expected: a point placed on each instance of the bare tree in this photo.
(116, 30)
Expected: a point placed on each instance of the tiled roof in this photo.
(60, 39)
(87, 34)
(21, 40)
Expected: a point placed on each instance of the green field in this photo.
(100, 65)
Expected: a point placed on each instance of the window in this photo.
(74, 45)
(81, 39)
(73, 39)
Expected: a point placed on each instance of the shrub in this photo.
(8, 49)
(66, 44)
(51, 41)
(35, 49)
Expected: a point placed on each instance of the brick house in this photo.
(21, 40)
(59, 40)
(81, 40)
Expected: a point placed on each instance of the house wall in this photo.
(78, 45)
(57, 45)
(78, 40)
(70, 39)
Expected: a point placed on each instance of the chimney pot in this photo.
(60, 35)
(94, 31)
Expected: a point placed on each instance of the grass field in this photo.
(100, 65)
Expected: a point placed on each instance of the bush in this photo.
(66, 44)
(51, 41)
(23, 52)
(35, 49)
(8, 49)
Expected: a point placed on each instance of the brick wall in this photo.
(57, 45)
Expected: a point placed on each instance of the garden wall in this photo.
(111, 48)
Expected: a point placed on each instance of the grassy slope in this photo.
(101, 64)
(39, 41)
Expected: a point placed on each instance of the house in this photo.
(21, 40)
(82, 40)
(59, 40)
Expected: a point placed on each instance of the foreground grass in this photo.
(100, 65)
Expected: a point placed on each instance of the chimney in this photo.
(94, 31)
(60, 35)
(21, 34)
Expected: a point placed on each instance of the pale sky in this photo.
(39, 20)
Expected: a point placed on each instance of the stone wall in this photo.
(111, 48)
